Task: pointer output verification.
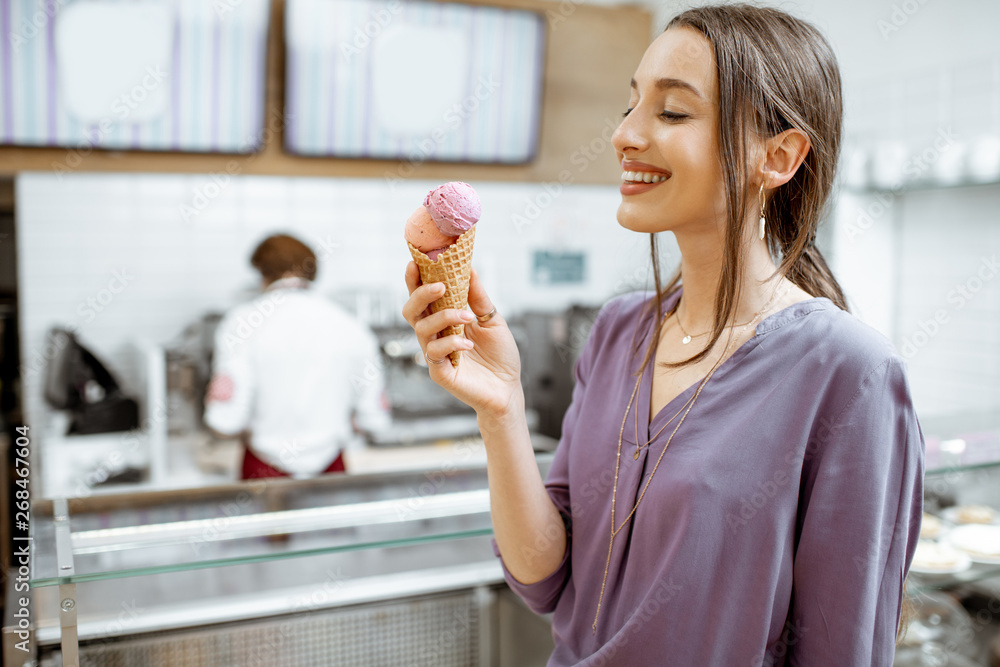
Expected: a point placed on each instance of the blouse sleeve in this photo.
(542, 596)
(860, 507)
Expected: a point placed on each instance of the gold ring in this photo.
(488, 316)
(434, 361)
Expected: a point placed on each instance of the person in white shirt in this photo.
(293, 374)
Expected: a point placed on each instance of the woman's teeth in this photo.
(643, 177)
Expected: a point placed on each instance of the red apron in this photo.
(254, 468)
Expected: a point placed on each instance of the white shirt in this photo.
(292, 367)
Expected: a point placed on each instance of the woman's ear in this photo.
(784, 153)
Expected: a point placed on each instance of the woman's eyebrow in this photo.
(667, 82)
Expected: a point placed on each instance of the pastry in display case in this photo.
(954, 581)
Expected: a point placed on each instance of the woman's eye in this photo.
(669, 115)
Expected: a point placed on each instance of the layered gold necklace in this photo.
(688, 405)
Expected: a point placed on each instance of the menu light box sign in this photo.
(413, 80)
(159, 75)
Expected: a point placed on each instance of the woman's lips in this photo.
(639, 177)
(635, 187)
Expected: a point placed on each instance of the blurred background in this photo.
(147, 147)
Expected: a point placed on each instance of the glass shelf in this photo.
(115, 537)
(962, 468)
(950, 486)
(922, 185)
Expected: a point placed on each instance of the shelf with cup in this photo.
(897, 167)
(926, 128)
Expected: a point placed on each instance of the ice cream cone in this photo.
(453, 268)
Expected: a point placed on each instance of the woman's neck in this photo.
(701, 270)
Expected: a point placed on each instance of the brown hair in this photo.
(280, 254)
(775, 72)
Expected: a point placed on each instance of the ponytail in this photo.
(810, 272)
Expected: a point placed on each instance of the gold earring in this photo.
(762, 220)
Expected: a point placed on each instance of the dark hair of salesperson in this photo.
(775, 72)
(283, 254)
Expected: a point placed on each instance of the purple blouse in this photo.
(781, 522)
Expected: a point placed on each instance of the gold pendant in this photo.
(686, 340)
(635, 457)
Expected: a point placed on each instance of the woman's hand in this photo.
(489, 377)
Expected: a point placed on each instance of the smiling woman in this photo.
(778, 526)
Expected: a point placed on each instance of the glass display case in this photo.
(954, 581)
(386, 568)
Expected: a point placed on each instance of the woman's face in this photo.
(666, 144)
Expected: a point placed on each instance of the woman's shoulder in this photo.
(834, 345)
(838, 334)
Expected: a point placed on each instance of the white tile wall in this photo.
(901, 258)
(75, 231)
(949, 242)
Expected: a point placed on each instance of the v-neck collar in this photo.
(768, 324)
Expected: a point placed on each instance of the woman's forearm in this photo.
(526, 524)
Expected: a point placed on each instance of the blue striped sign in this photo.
(193, 81)
(415, 80)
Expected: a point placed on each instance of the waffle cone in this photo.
(453, 268)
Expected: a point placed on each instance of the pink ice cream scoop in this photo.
(448, 212)
(422, 231)
(454, 206)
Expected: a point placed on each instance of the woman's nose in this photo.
(629, 135)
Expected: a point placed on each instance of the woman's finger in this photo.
(421, 297)
(412, 277)
(440, 348)
(427, 328)
(479, 301)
